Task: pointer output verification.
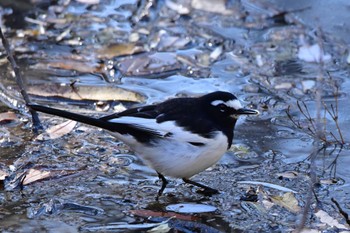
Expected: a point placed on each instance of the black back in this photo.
(197, 115)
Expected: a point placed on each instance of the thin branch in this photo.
(311, 191)
(19, 81)
(333, 164)
(297, 124)
(308, 116)
(309, 131)
(333, 113)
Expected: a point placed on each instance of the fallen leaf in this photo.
(163, 228)
(115, 50)
(287, 201)
(149, 64)
(57, 131)
(40, 173)
(6, 117)
(26, 176)
(35, 175)
(329, 220)
(85, 92)
(313, 53)
(79, 66)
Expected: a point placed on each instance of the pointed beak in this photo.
(247, 111)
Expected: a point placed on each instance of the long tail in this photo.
(73, 116)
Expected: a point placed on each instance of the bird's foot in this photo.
(164, 184)
(207, 191)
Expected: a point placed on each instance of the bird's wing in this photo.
(136, 122)
(158, 121)
(149, 111)
(149, 128)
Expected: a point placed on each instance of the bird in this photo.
(179, 137)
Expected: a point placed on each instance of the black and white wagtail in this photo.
(179, 137)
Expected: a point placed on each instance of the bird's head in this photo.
(224, 105)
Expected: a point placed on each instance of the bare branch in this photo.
(19, 81)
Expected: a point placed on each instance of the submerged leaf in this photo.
(85, 92)
(149, 63)
(115, 50)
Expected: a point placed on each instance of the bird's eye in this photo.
(222, 107)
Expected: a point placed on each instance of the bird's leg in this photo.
(207, 190)
(164, 184)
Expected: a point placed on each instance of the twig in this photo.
(341, 211)
(308, 117)
(333, 112)
(19, 81)
(320, 136)
(333, 165)
(311, 192)
(310, 131)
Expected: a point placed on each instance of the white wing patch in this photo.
(235, 104)
(164, 128)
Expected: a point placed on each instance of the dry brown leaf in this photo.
(115, 50)
(287, 201)
(83, 67)
(37, 174)
(7, 117)
(58, 131)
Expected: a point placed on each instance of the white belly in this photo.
(178, 158)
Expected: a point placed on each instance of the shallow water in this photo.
(96, 59)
